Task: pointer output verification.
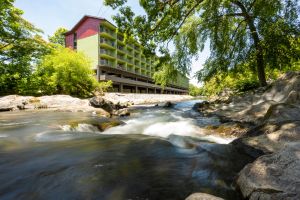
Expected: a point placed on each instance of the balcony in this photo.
(107, 52)
(106, 63)
(107, 32)
(129, 61)
(120, 38)
(121, 49)
(107, 43)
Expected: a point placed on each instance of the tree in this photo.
(194, 90)
(20, 47)
(255, 32)
(59, 36)
(65, 71)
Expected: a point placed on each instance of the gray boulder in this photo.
(273, 176)
(99, 102)
(282, 112)
(202, 196)
(270, 137)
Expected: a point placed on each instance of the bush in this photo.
(246, 85)
(63, 71)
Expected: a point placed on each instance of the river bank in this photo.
(271, 120)
(73, 104)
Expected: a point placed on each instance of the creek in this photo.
(159, 153)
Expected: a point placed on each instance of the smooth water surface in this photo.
(159, 153)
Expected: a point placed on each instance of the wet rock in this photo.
(201, 106)
(109, 124)
(202, 196)
(121, 112)
(168, 104)
(99, 102)
(273, 176)
(100, 124)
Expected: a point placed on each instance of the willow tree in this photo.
(257, 32)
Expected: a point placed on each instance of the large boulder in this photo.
(273, 176)
(202, 196)
(286, 88)
(270, 137)
(282, 112)
(99, 102)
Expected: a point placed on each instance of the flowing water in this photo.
(159, 153)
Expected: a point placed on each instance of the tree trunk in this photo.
(259, 50)
(259, 54)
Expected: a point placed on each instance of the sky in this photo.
(48, 15)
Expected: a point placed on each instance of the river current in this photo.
(159, 153)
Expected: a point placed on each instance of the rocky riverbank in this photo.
(270, 120)
(102, 106)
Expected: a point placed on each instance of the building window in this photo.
(101, 28)
(75, 40)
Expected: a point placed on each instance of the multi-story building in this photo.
(112, 59)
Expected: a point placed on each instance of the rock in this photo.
(21, 107)
(5, 109)
(122, 112)
(283, 95)
(109, 124)
(100, 124)
(202, 196)
(168, 104)
(99, 102)
(273, 176)
(227, 129)
(201, 106)
(271, 137)
(119, 106)
(282, 112)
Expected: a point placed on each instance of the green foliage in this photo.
(59, 36)
(66, 72)
(240, 81)
(20, 47)
(103, 87)
(194, 90)
(258, 33)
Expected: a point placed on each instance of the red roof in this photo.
(85, 17)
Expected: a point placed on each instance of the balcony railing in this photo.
(121, 57)
(102, 51)
(121, 48)
(106, 30)
(106, 63)
(109, 42)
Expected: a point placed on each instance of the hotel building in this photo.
(112, 59)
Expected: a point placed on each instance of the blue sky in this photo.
(48, 15)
